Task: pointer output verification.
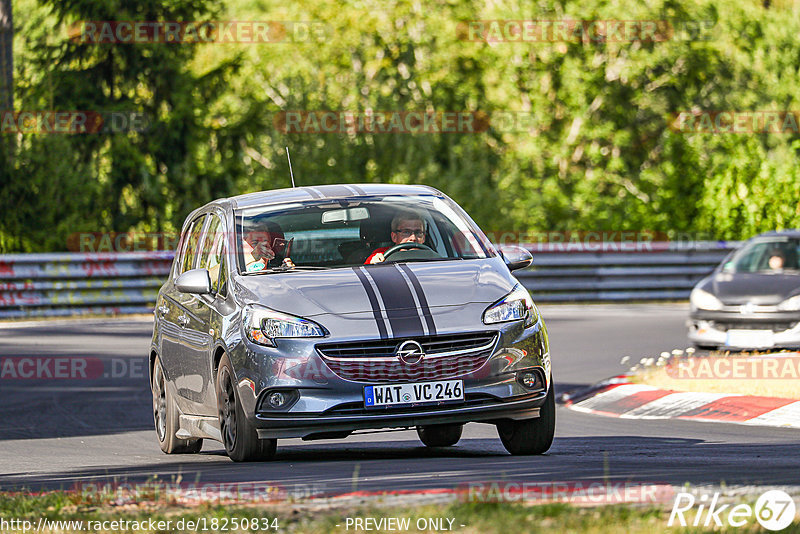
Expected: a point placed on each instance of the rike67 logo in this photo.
(774, 510)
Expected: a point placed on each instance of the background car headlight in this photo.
(263, 326)
(515, 306)
(703, 300)
(790, 304)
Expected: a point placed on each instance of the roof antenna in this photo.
(290, 166)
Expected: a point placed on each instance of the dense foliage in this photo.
(595, 153)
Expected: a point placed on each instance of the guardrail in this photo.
(620, 272)
(48, 285)
(35, 285)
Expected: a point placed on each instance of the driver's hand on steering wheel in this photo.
(378, 258)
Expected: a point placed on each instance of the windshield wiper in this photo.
(410, 260)
(284, 269)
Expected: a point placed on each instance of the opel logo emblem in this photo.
(747, 308)
(410, 352)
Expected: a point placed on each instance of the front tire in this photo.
(167, 418)
(531, 436)
(238, 435)
(440, 435)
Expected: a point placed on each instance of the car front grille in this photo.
(374, 361)
(779, 326)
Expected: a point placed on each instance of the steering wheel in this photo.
(402, 246)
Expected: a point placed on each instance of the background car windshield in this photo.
(345, 232)
(777, 255)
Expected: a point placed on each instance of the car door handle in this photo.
(163, 310)
(184, 320)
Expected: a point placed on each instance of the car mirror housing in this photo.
(196, 281)
(516, 257)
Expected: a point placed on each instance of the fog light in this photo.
(277, 399)
(530, 380)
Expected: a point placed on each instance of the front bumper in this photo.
(315, 426)
(743, 330)
(328, 405)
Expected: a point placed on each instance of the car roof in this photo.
(779, 233)
(308, 193)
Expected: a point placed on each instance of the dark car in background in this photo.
(312, 341)
(752, 299)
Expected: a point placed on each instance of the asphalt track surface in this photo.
(56, 433)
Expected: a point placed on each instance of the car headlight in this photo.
(262, 325)
(517, 305)
(703, 300)
(790, 304)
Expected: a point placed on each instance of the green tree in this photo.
(144, 180)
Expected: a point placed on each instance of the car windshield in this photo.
(347, 232)
(777, 255)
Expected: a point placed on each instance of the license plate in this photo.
(750, 338)
(413, 393)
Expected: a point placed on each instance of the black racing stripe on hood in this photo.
(373, 302)
(333, 191)
(313, 192)
(397, 299)
(423, 301)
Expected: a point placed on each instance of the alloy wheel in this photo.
(159, 404)
(228, 409)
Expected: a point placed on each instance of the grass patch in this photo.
(308, 517)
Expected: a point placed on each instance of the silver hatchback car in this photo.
(316, 312)
(751, 301)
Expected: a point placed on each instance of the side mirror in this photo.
(516, 257)
(196, 281)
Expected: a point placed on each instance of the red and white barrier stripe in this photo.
(639, 401)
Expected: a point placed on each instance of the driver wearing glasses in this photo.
(407, 227)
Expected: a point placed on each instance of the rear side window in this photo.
(190, 252)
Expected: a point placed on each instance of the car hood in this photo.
(381, 288)
(758, 288)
